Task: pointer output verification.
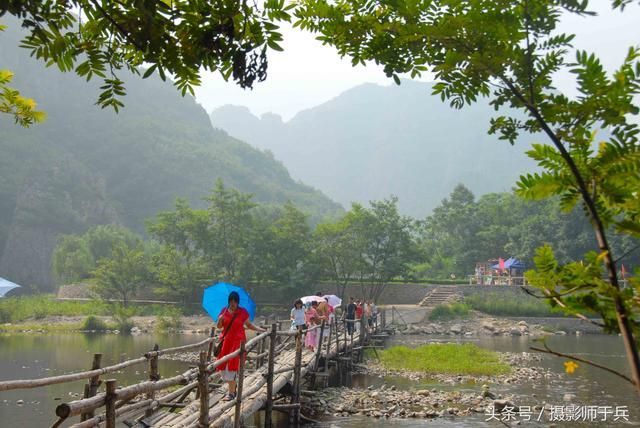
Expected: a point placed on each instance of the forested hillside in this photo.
(88, 166)
(373, 141)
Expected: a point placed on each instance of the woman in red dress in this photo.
(232, 320)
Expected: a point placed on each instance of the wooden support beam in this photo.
(292, 406)
(91, 388)
(237, 421)
(203, 389)
(270, 367)
(110, 404)
(154, 376)
(210, 347)
(295, 399)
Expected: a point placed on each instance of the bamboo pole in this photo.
(110, 404)
(97, 420)
(239, 384)
(53, 380)
(270, 366)
(203, 388)
(77, 407)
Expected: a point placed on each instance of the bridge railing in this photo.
(145, 397)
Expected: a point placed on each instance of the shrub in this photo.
(122, 317)
(449, 311)
(169, 320)
(94, 323)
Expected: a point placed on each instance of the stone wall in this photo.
(393, 294)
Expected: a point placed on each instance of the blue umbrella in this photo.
(216, 297)
(6, 286)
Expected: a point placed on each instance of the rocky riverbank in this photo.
(387, 401)
(390, 402)
(479, 324)
(197, 324)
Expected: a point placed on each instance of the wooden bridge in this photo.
(269, 379)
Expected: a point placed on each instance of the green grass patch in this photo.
(449, 358)
(501, 304)
(38, 307)
(449, 311)
(41, 327)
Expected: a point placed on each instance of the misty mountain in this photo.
(373, 141)
(86, 166)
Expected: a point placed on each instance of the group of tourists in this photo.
(233, 319)
(311, 315)
(355, 311)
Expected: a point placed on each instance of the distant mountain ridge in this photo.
(373, 141)
(86, 166)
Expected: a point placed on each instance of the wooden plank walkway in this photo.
(278, 360)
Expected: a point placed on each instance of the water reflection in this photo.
(31, 356)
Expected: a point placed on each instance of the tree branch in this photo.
(564, 306)
(582, 360)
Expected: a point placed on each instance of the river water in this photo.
(32, 356)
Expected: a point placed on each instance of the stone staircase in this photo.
(443, 294)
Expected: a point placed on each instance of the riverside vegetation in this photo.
(277, 246)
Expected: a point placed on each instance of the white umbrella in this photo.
(334, 301)
(309, 299)
(6, 286)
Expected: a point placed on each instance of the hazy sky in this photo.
(307, 74)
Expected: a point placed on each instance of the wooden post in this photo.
(393, 315)
(326, 356)
(316, 362)
(294, 416)
(210, 350)
(260, 360)
(272, 351)
(319, 348)
(110, 404)
(351, 348)
(384, 318)
(203, 391)
(154, 376)
(363, 336)
(91, 388)
(336, 330)
(239, 384)
(279, 339)
(346, 346)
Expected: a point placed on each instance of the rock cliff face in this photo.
(65, 198)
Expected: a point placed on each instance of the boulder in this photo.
(498, 405)
(515, 332)
(488, 326)
(456, 329)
